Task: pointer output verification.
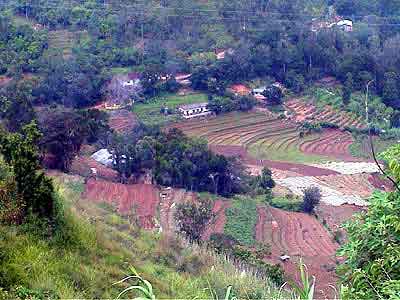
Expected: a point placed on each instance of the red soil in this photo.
(299, 236)
(380, 183)
(240, 89)
(241, 152)
(4, 80)
(82, 165)
(138, 200)
(335, 216)
(307, 112)
(122, 121)
(217, 224)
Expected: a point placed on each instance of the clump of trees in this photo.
(28, 190)
(179, 161)
(21, 47)
(223, 104)
(311, 198)
(65, 131)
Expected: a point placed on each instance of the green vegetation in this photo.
(241, 220)
(361, 145)
(86, 258)
(372, 266)
(292, 153)
(150, 112)
(380, 115)
(286, 203)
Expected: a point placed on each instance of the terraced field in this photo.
(62, 40)
(306, 111)
(298, 235)
(269, 138)
(122, 121)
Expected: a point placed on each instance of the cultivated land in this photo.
(307, 112)
(122, 121)
(149, 113)
(267, 137)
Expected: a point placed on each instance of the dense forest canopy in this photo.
(267, 38)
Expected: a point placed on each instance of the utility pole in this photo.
(372, 142)
(366, 104)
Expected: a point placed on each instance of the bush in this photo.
(393, 133)
(372, 267)
(287, 204)
(222, 243)
(328, 125)
(311, 198)
(192, 218)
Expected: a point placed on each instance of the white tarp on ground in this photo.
(104, 157)
(350, 168)
(297, 185)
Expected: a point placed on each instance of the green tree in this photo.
(192, 218)
(266, 181)
(372, 266)
(21, 153)
(311, 198)
(274, 95)
(390, 89)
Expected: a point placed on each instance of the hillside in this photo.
(102, 245)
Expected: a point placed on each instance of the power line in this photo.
(193, 11)
(200, 17)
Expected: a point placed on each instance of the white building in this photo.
(345, 25)
(104, 157)
(194, 110)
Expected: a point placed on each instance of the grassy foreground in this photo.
(99, 248)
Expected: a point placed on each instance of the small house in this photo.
(104, 157)
(345, 25)
(194, 110)
(258, 93)
(132, 80)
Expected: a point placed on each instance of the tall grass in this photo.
(97, 246)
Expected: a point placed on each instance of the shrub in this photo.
(328, 125)
(372, 267)
(222, 243)
(287, 204)
(192, 217)
(311, 198)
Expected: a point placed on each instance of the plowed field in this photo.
(137, 200)
(122, 121)
(299, 236)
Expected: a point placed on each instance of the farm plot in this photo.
(137, 200)
(266, 137)
(306, 111)
(299, 235)
(218, 223)
(253, 163)
(334, 143)
(335, 189)
(335, 216)
(150, 113)
(122, 121)
(82, 166)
